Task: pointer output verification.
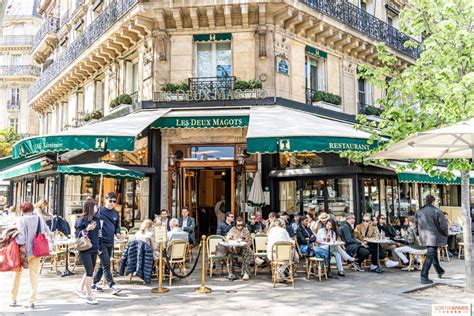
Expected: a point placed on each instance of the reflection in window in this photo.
(300, 160)
(137, 157)
(212, 152)
(289, 197)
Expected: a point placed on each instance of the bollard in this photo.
(160, 288)
(203, 289)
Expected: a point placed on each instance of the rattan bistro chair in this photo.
(177, 251)
(283, 255)
(212, 255)
(260, 248)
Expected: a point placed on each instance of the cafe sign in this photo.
(209, 95)
(202, 122)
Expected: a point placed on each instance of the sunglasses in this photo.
(366, 220)
(239, 225)
(112, 201)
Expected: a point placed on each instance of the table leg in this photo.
(330, 275)
(67, 272)
(378, 258)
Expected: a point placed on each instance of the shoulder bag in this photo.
(40, 243)
(83, 243)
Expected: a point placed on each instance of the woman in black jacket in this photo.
(88, 225)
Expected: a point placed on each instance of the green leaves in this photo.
(8, 137)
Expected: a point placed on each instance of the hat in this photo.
(111, 195)
(324, 216)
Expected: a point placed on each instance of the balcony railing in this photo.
(13, 105)
(16, 40)
(51, 25)
(114, 11)
(19, 71)
(211, 86)
(64, 19)
(364, 22)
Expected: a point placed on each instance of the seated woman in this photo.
(389, 232)
(330, 232)
(241, 233)
(146, 234)
(306, 239)
(412, 241)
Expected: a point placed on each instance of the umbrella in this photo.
(101, 169)
(256, 198)
(455, 141)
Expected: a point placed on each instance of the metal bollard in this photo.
(203, 289)
(160, 288)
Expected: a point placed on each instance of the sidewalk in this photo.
(358, 293)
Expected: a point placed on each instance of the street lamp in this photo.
(172, 160)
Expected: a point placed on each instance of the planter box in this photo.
(328, 106)
(91, 121)
(119, 107)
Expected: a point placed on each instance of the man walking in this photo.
(109, 226)
(432, 230)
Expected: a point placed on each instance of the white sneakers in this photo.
(81, 294)
(245, 277)
(91, 300)
(115, 290)
(390, 263)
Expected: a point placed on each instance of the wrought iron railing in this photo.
(114, 11)
(19, 70)
(211, 87)
(13, 105)
(51, 25)
(64, 19)
(366, 23)
(13, 40)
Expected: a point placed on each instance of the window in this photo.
(16, 60)
(315, 73)
(289, 196)
(300, 160)
(389, 20)
(212, 152)
(213, 59)
(13, 123)
(364, 89)
(363, 5)
(15, 97)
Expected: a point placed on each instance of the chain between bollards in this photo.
(160, 288)
(203, 289)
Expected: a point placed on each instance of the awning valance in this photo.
(418, 176)
(278, 129)
(204, 119)
(21, 169)
(101, 169)
(112, 135)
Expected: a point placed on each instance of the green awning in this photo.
(9, 161)
(315, 52)
(21, 169)
(278, 129)
(231, 118)
(426, 178)
(98, 169)
(111, 135)
(212, 37)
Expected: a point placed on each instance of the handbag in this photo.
(83, 243)
(10, 257)
(40, 243)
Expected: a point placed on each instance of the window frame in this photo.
(213, 57)
(321, 73)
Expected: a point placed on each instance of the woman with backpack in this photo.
(29, 226)
(87, 228)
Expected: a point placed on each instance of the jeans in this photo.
(339, 254)
(317, 252)
(431, 259)
(104, 268)
(88, 259)
(401, 251)
(34, 264)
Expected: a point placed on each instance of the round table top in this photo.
(62, 241)
(379, 241)
(332, 243)
(399, 239)
(232, 243)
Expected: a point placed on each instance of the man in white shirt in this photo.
(276, 234)
(176, 233)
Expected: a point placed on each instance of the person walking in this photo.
(108, 228)
(432, 230)
(28, 225)
(87, 226)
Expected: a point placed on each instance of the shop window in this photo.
(76, 190)
(289, 197)
(371, 196)
(137, 157)
(300, 160)
(212, 152)
(213, 59)
(315, 73)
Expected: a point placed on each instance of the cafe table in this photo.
(66, 242)
(331, 243)
(379, 242)
(232, 247)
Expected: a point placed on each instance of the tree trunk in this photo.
(467, 234)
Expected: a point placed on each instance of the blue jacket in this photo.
(81, 225)
(59, 223)
(109, 224)
(223, 228)
(137, 258)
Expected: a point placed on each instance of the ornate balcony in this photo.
(365, 23)
(47, 30)
(114, 11)
(19, 71)
(16, 40)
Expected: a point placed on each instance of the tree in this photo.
(8, 137)
(436, 90)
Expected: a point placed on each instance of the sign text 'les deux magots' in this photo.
(212, 122)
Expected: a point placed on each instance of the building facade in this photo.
(229, 90)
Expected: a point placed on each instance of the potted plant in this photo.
(120, 102)
(92, 116)
(326, 100)
(173, 90)
(372, 110)
(246, 89)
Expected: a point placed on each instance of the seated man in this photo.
(240, 233)
(187, 224)
(276, 234)
(364, 231)
(412, 240)
(353, 247)
(306, 239)
(176, 233)
(254, 226)
(224, 227)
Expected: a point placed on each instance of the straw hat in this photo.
(324, 216)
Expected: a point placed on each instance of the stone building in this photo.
(204, 96)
